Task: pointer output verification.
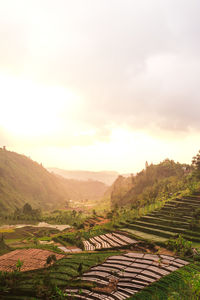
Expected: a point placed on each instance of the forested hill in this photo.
(23, 180)
(152, 183)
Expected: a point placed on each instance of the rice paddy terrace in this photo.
(175, 217)
(121, 276)
(120, 270)
(108, 275)
(106, 241)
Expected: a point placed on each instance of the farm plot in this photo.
(69, 249)
(109, 240)
(32, 259)
(63, 273)
(121, 276)
(174, 218)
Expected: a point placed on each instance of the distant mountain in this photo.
(84, 190)
(107, 177)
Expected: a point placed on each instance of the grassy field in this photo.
(145, 236)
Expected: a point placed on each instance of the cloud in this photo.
(134, 63)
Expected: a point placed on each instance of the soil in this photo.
(32, 259)
(95, 221)
(164, 251)
(111, 287)
(156, 250)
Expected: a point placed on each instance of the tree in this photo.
(2, 238)
(17, 213)
(74, 213)
(50, 259)
(27, 209)
(80, 268)
(196, 165)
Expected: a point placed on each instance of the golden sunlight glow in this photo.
(125, 149)
(29, 109)
(48, 117)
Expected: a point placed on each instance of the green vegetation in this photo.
(180, 246)
(145, 236)
(4, 248)
(19, 265)
(156, 182)
(25, 181)
(28, 237)
(48, 283)
(77, 237)
(26, 213)
(160, 206)
(70, 217)
(196, 166)
(183, 284)
(177, 216)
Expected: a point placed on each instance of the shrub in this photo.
(180, 246)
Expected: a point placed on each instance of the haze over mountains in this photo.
(22, 180)
(107, 177)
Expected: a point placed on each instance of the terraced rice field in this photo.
(146, 236)
(63, 273)
(70, 249)
(173, 218)
(121, 276)
(32, 259)
(106, 241)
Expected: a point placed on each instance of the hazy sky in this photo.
(98, 85)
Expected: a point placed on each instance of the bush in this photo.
(180, 246)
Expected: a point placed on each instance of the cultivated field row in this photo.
(32, 259)
(175, 217)
(121, 276)
(109, 240)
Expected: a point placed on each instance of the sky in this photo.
(100, 85)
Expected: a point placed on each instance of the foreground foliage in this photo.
(155, 182)
(48, 283)
(183, 284)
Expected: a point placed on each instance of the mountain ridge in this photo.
(107, 177)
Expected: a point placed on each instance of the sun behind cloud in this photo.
(32, 110)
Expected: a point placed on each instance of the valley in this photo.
(99, 152)
(135, 240)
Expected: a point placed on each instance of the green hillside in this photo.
(23, 180)
(152, 183)
(177, 216)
